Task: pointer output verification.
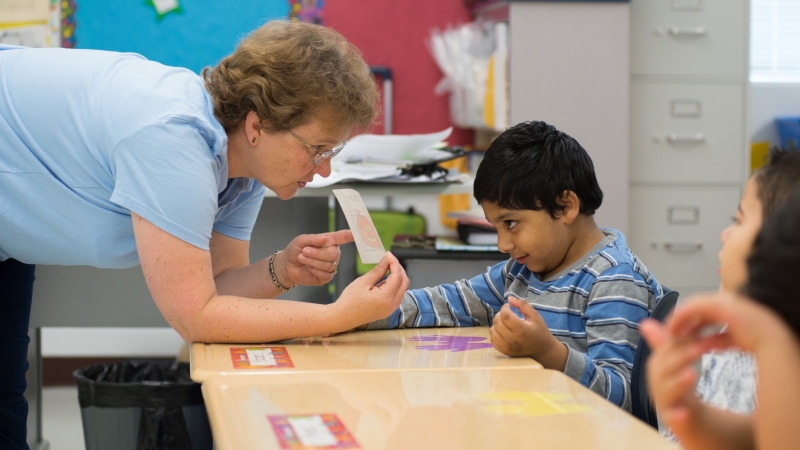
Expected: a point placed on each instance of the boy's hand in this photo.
(528, 336)
(368, 298)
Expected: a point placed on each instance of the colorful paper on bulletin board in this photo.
(309, 11)
(68, 24)
(759, 153)
(311, 431)
(164, 7)
(260, 358)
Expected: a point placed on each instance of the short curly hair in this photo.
(290, 73)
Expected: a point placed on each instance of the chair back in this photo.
(641, 407)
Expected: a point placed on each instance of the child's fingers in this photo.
(654, 333)
(699, 311)
(672, 390)
(525, 308)
(501, 324)
(498, 341)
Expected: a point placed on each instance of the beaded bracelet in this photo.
(274, 277)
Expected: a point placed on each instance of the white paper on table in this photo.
(312, 431)
(368, 242)
(395, 149)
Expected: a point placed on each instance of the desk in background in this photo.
(423, 409)
(406, 349)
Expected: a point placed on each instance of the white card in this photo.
(312, 431)
(368, 242)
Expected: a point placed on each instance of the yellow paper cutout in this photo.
(532, 404)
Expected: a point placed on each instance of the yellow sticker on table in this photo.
(532, 404)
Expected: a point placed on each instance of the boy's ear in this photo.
(570, 207)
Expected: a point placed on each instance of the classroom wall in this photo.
(199, 35)
(393, 33)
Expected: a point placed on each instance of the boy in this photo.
(580, 290)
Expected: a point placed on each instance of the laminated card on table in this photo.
(368, 242)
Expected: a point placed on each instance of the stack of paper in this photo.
(372, 157)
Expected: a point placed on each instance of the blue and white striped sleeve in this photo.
(619, 299)
(464, 303)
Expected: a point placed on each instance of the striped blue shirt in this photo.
(593, 307)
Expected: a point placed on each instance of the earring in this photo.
(254, 140)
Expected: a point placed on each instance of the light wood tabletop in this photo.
(419, 410)
(406, 349)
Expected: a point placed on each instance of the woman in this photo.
(110, 160)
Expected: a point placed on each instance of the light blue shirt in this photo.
(88, 136)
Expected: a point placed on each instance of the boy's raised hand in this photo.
(528, 336)
(368, 298)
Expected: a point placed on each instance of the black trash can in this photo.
(142, 405)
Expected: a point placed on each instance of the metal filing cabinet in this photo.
(689, 82)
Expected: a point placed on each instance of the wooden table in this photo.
(419, 409)
(407, 349)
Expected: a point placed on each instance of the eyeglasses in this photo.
(318, 155)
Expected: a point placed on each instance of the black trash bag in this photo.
(160, 388)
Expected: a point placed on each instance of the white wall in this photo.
(768, 100)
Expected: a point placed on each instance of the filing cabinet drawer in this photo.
(689, 37)
(675, 232)
(687, 133)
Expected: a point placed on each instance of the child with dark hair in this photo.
(767, 326)
(726, 385)
(579, 290)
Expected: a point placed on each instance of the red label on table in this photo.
(260, 358)
(311, 431)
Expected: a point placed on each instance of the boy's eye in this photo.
(511, 223)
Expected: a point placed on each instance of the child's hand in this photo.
(528, 336)
(368, 298)
(671, 376)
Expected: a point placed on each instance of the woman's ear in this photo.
(570, 207)
(252, 128)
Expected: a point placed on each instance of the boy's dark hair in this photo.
(774, 264)
(530, 166)
(777, 178)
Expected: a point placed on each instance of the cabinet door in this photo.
(687, 133)
(675, 232)
(689, 37)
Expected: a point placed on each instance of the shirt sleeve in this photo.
(464, 303)
(619, 299)
(167, 173)
(237, 220)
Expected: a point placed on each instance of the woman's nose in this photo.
(323, 168)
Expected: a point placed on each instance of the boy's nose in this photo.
(504, 245)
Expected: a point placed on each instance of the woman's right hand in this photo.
(368, 298)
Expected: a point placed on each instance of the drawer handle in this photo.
(687, 31)
(683, 246)
(696, 138)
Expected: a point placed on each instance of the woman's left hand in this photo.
(311, 259)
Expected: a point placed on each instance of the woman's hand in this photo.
(368, 298)
(311, 259)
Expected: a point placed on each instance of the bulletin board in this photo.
(198, 34)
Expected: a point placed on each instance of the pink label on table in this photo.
(260, 358)
(442, 342)
(311, 431)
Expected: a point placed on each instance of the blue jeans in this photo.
(16, 292)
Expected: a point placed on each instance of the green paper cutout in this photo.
(159, 16)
